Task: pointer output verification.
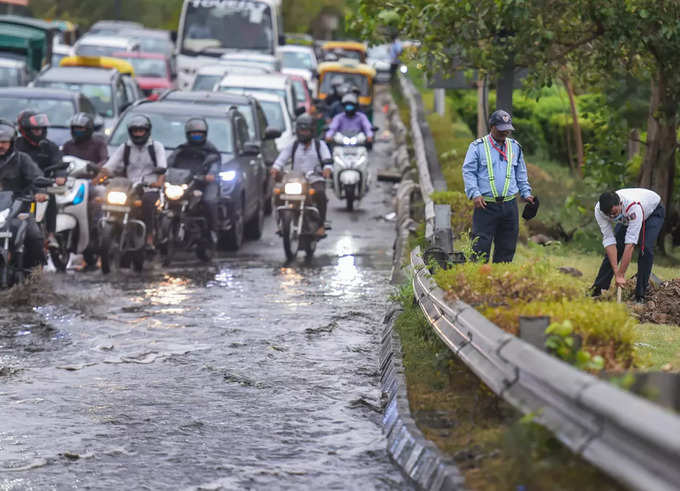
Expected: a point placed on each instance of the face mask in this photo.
(79, 133)
(349, 107)
(196, 137)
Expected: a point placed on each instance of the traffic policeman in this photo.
(628, 217)
(494, 173)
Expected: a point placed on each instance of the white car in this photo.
(209, 76)
(275, 110)
(269, 61)
(95, 45)
(379, 59)
(273, 83)
(299, 60)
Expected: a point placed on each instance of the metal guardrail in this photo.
(631, 439)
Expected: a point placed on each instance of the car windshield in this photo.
(154, 45)
(58, 111)
(96, 50)
(148, 67)
(355, 79)
(206, 82)
(300, 92)
(99, 95)
(274, 114)
(240, 24)
(9, 77)
(297, 59)
(168, 128)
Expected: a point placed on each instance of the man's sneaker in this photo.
(594, 291)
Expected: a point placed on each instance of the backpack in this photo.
(126, 155)
(317, 145)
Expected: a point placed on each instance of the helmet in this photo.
(350, 103)
(196, 131)
(82, 127)
(344, 89)
(7, 134)
(139, 122)
(303, 127)
(354, 89)
(337, 81)
(33, 126)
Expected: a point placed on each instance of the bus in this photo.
(209, 29)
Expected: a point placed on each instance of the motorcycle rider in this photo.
(84, 144)
(17, 173)
(350, 120)
(308, 155)
(201, 157)
(136, 159)
(336, 82)
(44, 152)
(337, 106)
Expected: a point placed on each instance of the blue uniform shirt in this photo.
(476, 174)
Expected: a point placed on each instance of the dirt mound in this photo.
(663, 304)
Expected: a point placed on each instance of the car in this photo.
(379, 59)
(58, 104)
(299, 60)
(104, 87)
(14, 72)
(274, 108)
(152, 71)
(302, 93)
(112, 27)
(96, 45)
(59, 52)
(272, 63)
(209, 76)
(154, 41)
(273, 83)
(243, 175)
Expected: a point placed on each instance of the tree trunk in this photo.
(633, 143)
(658, 167)
(504, 87)
(578, 135)
(482, 105)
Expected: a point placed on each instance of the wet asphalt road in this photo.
(249, 373)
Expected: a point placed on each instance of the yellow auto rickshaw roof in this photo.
(122, 66)
(347, 45)
(346, 66)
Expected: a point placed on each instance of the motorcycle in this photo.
(182, 224)
(350, 167)
(73, 224)
(297, 220)
(122, 237)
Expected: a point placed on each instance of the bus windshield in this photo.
(219, 25)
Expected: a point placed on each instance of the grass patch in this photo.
(493, 445)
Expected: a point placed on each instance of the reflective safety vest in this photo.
(489, 167)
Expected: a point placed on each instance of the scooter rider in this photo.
(45, 153)
(136, 159)
(350, 120)
(202, 158)
(335, 95)
(17, 173)
(308, 155)
(83, 143)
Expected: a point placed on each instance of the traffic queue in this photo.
(105, 164)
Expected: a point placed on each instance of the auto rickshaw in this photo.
(345, 49)
(353, 73)
(124, 67)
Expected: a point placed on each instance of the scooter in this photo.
(297, 220)
(73, 224)
(121, 236)
(350, 167)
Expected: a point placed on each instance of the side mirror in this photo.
(98, 122)
(282, 39)
(300, 110)
(173, 37)
(272, 133)
(251, 148)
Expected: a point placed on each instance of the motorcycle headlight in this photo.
(3, 216)
(116, 198)
(172, 191)
(403, 69)
(293, 188)
(353, 140)
(228, 175)
(347, 140)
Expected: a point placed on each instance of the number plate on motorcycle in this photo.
(116, 208)
(5, 235)
(292, 197)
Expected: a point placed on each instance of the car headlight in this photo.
(3, 216)
(172, 191)
(116, 198)
(107, 131)
(293, 188)
(228, 175)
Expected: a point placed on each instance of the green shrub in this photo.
(461, 210)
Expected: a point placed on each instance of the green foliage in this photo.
(562, 343)
(461, 210)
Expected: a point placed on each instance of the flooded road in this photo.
(248, 373)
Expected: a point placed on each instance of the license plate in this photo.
(116, 208)
(292, 197)
(5, 235)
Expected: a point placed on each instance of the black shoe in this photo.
(639, 300)
(594, 291)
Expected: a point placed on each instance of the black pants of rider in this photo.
(51, 215)
(209, 201)
(319, 199)
(34, 250)
(149, 199)
(652, 228)
(498, 223)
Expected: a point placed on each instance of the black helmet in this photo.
(82, 127)
(304, 125)
(7, 134)
(139, 122)
(350, 103)
(29, 121)
(196, 131)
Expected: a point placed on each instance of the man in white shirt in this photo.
(638, 217)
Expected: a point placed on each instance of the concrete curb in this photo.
(418, 457)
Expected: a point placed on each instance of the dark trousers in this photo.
(51, 214)
(149, 210)
(320, 200)
(652, 228)
(209, 202)
(498, 223)
(34, 248)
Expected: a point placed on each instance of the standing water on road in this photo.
(249, 373)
